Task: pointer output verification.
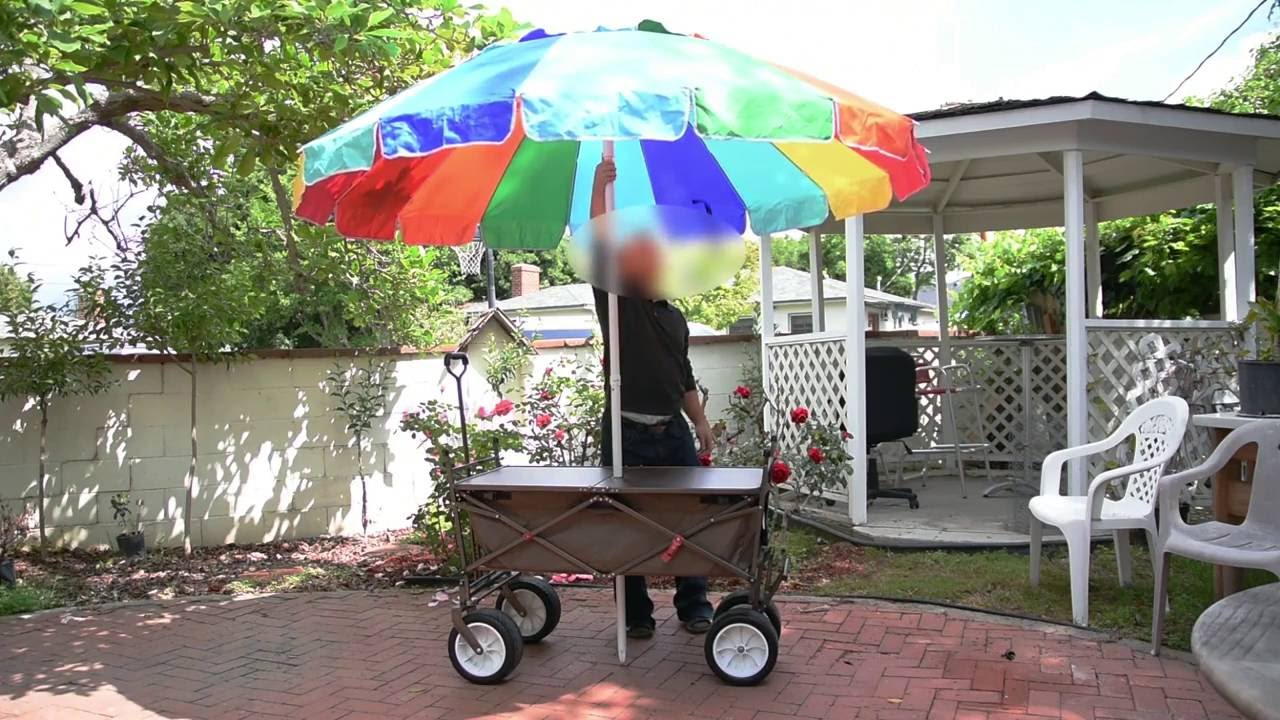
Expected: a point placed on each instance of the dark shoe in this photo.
(698, 625)
(642, 631)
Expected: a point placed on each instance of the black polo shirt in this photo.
(655, 354)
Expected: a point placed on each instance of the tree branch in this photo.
(77, 187)
(24, 152)
(174, 172)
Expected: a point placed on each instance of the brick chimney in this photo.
(524, 279)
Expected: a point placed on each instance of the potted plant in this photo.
(1260, 378)
(14, 526)
(128, 515)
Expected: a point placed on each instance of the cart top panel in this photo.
(695, 480)
(664, 480)
(536, 477)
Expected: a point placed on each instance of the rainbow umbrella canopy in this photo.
(509, 140)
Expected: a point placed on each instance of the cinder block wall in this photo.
(275, 460)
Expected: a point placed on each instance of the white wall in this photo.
(895, 319)
(275, 460)
(555, 319)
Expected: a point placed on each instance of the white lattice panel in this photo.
(1129, 366)
(812, 374)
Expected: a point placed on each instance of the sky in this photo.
(909, 55)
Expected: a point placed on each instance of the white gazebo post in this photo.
(1226, 248)
(1077, 335)
(1242, 192)
(855, 373)
(1093, 260)
(940, 280)
(818, 304)
(766, 312)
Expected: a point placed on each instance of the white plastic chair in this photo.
(1157, 427)
(1252, 544)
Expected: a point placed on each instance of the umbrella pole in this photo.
(615, 372)
(615, 417)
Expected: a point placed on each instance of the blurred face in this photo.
(639, 266)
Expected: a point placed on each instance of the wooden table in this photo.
(1232, 487)
(1237, 643)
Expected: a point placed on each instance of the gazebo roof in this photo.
(998, 165)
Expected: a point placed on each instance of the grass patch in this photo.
(998, 580)
(21, 599)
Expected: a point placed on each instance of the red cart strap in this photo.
(676, 543)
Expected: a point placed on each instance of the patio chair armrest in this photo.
(1169, 494)
(1051, 466)
(1098, 487)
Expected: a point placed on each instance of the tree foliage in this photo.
(723, 306)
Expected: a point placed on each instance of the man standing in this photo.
(657, 384)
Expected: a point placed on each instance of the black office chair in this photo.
(893, 413)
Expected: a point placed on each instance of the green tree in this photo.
(216, 98)
(1010, 270)
(53, 353)
(360, 394)
(193, 296)
(265, 74)
(723, 306)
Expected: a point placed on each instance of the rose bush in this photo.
(557, 424)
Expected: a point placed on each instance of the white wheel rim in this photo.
(535, 613)
(483, 664)
(740, 650)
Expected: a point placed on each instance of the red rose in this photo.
(845, 434)
(800, 415)
(482, 413)
(560, 435)
(815, 454)
(542, 420)
(779, 472)
(742, 391)
(705, 459)
(545, 395)
(504, 407)
(546, 373)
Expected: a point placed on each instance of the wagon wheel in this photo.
(541, 607)
(742, 646)
(501, 647)
(740, 598)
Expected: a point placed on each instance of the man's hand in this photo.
(606, 172)
(706, 438)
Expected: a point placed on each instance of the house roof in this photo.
(576, 295)
(792, 285)
(490, 316)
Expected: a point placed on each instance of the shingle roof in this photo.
(556, 296)
(792, 285)
(979, 108)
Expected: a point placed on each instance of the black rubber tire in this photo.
(740, 598)
(546, 594)
(742, 615)
(510, 636)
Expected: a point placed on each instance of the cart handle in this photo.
(450, 358)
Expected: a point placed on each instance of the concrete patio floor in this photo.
(324, 656)
(945, 518)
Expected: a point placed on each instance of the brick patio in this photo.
(361, 655)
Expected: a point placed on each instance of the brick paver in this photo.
(325, 656)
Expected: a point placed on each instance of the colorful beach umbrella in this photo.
(508, 142)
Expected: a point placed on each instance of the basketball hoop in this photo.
(470, 257)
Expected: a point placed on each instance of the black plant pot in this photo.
(7, 574)
(1259, 387)
(131, 544)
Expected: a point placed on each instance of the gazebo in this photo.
(1059, 162)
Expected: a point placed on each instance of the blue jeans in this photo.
(672, 447)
